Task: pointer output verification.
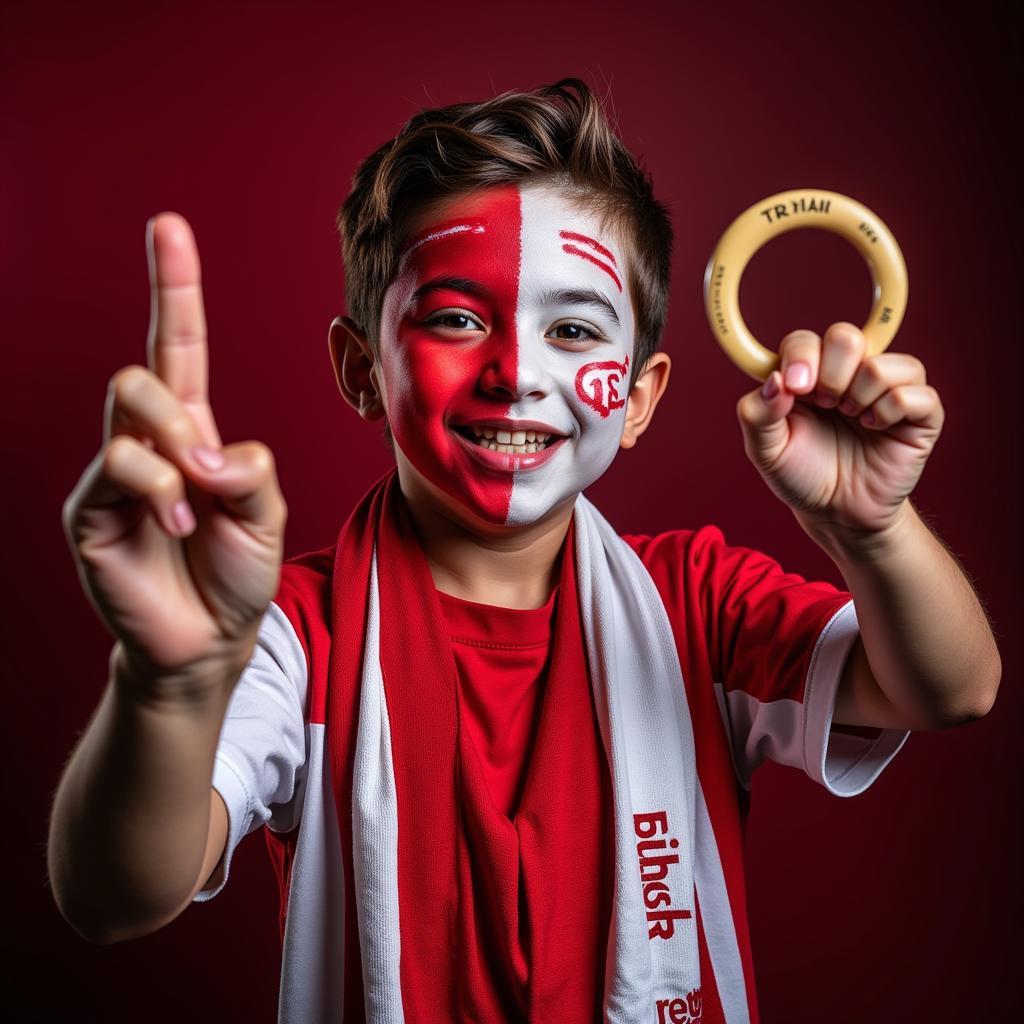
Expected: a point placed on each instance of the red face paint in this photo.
(437, 379)
(598, 384)
(593, 250)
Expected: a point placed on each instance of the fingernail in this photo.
(847, 405)
(208, 458)
(868, 419)
(183, 516)
(771, 387)
(798, 376)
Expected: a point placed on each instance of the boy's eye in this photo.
(454, 321)
(459, 321)
(576, 332)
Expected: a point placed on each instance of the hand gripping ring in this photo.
(784, 211)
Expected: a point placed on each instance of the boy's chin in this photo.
(463, 508)
(485, 523)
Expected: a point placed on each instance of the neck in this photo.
(512, 567)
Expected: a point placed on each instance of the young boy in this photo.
(502, 753)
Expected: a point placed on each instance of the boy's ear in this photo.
(355, 368)
(644, 396)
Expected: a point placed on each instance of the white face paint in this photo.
(510, 313)
(580, 390)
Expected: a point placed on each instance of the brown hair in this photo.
(558, 133)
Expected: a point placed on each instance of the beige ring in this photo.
(784, 211)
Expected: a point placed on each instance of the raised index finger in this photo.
(176, 347)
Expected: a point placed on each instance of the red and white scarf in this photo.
(394, 742)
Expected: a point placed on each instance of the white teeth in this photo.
(511, 449)
(511, 442)
(511, 436)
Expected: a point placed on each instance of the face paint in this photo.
(508, 318)
(598, 385)
(591, 253)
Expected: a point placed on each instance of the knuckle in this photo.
(260, 459)
(180, 430)
(873, 371)
(800, 339)
(165, 481)
(127, 381)
(847, 337)
(899, 399)
(116, 455)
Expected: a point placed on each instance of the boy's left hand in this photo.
(814, 441)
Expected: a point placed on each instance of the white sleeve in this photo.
(262, 751)
(843, 763)
(799, 733)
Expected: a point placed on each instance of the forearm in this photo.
(129, 822)
(924, 632)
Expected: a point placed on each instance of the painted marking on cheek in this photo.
(597, 384)
(575, 250)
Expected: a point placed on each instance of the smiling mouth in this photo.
(510, 442)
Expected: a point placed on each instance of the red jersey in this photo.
(761, 652)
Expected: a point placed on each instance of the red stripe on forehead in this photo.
(575, 250)
(436, 232)
(575, 236)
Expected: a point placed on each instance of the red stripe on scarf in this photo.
(554, 861)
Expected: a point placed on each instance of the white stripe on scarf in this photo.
(648, 740)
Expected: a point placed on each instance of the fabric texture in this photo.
(407, 681)
(501, 656)
(721, 604)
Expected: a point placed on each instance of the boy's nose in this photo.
(514, 373)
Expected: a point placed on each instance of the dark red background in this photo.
(900, 905)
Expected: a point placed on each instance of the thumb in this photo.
(762, 414)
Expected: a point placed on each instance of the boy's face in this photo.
(506, 347)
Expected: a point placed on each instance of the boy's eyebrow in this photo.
(580, 297)
(452, 283)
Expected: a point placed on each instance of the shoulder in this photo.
(306, 576)
(673, 545)
(696, 555)
(698, 571)
(310, 567)
(304, 596)
(704, 554)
